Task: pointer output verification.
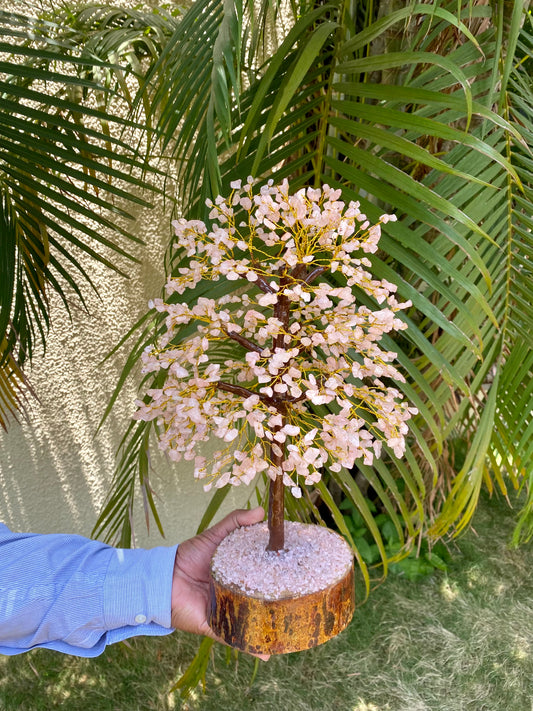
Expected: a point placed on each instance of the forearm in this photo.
(76, 595)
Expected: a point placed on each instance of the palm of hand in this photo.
(190, 585)
(190, 589)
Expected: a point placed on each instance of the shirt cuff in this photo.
(138, 587)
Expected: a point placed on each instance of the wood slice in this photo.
(254, 622)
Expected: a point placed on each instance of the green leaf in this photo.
(195, 673)
(213, 507)
(392, 60)
(303, 61)
(260, 92)
(378, 28)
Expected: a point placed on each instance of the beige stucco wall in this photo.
(54, 469)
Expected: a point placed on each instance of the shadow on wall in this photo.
(41, 493)
(54, 471)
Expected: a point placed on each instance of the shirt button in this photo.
(139, 619)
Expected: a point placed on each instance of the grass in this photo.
(458, 641)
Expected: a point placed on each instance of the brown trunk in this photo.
(276, 514)
(276, 497)
(276, 494)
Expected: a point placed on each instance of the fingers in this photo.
(209, 633)
(240, 517)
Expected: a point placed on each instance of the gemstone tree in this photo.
(299, 337)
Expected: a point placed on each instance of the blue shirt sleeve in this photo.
(75, 595)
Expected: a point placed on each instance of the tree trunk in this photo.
(276, 497)
(276, 514)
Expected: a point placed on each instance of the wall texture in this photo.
(54, 469)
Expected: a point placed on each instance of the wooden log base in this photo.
(290, 624)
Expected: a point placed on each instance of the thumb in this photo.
(236, 519)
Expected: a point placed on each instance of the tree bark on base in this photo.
(292, 624)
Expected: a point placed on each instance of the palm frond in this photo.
(436, 131)
(194, 107)
(68, 180)
(412, 132)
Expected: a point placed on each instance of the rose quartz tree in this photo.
(296, 262)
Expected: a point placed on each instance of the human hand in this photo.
(190, 584)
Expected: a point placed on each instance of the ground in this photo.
(460, 640)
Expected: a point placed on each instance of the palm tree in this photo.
(67, 165)
(424, 110)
